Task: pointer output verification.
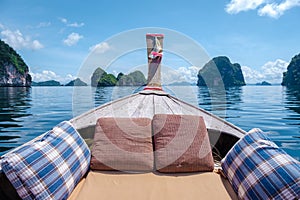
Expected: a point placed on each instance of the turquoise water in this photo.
(28, 112)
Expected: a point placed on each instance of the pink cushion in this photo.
(181, 144)
(123, 144)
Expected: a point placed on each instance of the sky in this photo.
(56, 38)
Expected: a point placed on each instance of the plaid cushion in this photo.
(258, 169)
(49, 168)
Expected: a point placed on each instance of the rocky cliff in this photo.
(291, 78)
(102, 79)
(220, 70)
(13, 70)
(76, 82)
(135, 78)
(264, 83)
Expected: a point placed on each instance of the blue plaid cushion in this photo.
(49, 168)
(258, 169)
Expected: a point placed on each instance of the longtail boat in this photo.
(117, 180)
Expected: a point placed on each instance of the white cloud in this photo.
(74, 24)
(72, 39)
(252, 76)
(189, 74)
(43, 24)
(47, 75)
(18, 41)
(182, 74)
(275, 10)
(100, 48)
(271, 8)
(63, 20)
(36, 45)
(271, 72)
(274, 70)
(236, 6)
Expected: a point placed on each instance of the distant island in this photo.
(231, 74)
(13, 69)
(182, 83)
(76, 82)
(101, 78)
(263, 83)
(46, 83)
(291, 78)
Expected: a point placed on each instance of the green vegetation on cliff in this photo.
(291, 78)
(9, 55)
(220, 70)
(13, 69)
(101, 79)
(107, 80)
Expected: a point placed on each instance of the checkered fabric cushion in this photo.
(49, 168)
(258, 169)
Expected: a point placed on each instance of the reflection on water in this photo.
(293, 99)
(103, 95)
(220, 102)
(274, 109)
(14, 103)
(106, 94)
(26, 113)
(289, 138)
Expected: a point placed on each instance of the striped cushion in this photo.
(181, 144)
(258, 169)
(49, 168)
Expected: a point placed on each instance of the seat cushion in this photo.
(155, 186)
(181, 144)
(123, 144)
(50, 167)
(258, 169)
